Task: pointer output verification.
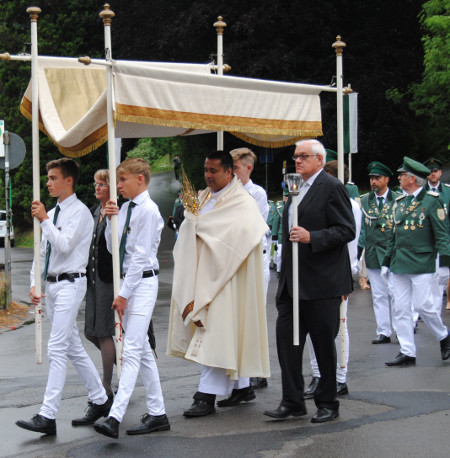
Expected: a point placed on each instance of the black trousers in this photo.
(319, 319)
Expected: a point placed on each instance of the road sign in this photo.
(17, 152)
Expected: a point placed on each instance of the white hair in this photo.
(316, 147)
(419, 180)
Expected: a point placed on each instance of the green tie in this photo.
(49, 247)
(434, 189)
(123, 239)
(409, 199)
(380, 203)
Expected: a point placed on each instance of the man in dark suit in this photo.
(325, 225)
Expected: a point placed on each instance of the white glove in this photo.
(443, 275)
(385, 272)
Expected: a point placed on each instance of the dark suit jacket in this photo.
(105, 269)
(324, 264)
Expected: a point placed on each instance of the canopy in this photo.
(152, 99)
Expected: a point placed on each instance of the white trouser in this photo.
(62, 301)
(382, 301)
(438, 287)
(267, 262)
(341, 372)
(407, 286)
(213, 380)
(278, 258)
(137, 353)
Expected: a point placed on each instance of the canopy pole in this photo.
(220, 25)
(107, 16)
(339, 47)
(34, 13)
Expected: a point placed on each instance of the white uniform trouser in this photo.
(341, 372)
(382, 296)
(407, 286)
(278, 257)
(62, 301)
(267, 261)
(438, 287)
(137, 353)
(213, 380)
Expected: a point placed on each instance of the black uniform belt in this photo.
(146, 273)
(70, 277)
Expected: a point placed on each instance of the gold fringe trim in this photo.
(274, 143)
(167, 118)
(86, 146)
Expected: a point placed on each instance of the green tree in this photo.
(431, 97)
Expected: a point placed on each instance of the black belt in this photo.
(70, 277)
(146, 273)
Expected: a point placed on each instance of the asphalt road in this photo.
(390, 411)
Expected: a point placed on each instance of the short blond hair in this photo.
(135, 166)
(245, 155)
(102, 174)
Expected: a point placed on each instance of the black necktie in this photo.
(49, 247)
(434, 189)
(123, 239)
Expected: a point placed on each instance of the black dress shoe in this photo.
(282, 412)
(199, 408)
(309, 393)
(381, 339)
(150, 423)
(445, 348)
(258, 382)
(94, 412)
(39, 424)
(109, 427)
(402, 360)
(323, 414)
(238, 396)
(341, 389)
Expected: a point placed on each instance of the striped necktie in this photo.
(49, 247)
(123, 239)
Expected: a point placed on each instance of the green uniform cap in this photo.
(331, 155)
(433, 164)
(414, 167)
(378, 169)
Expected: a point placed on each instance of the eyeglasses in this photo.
(302, 157)
(100, 185)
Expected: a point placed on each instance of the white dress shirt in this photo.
(70, 238)
(144, 235)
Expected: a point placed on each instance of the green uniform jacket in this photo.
(279, 225)
(352, 191)
(376, 227)
(444, 194)
(420, 231)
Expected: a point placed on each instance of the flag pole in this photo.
(34, 13)
(220, 25)
(107, 14)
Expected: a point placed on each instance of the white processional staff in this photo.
(294, 181)
(107, 16)
(34, 13)
(220, 25)
(339, 47)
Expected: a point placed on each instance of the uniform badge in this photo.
(441, 214)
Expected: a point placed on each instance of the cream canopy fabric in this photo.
(153, 99)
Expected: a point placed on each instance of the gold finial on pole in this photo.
(219, 25)
(86, 60)
(107, 14)
(339, 46)
(226, 68)
(5, 56)
(34, 13)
